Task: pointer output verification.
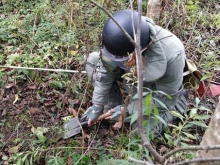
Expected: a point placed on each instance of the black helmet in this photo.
(115, 42)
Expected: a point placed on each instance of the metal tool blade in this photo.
(74, 126)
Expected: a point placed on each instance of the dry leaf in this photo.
(14, 149)
(49, 103)
(4, 112)
(54, 109)
(103, 132)
(163, 149)
(72, 111)
(32, 86)
(2, 93)
(9, 85)
(34, 111)
(16, 99)
(74, 102)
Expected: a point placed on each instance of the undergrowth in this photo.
(60, 35)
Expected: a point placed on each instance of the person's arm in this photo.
(103, 80)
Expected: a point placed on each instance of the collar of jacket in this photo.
(156, 62)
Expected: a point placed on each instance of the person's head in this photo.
(116, 45)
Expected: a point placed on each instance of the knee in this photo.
(91, 62)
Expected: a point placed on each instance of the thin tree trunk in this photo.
(211, 137)
(154, 8)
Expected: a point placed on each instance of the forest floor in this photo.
(32, 111)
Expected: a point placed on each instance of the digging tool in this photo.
(75, 125)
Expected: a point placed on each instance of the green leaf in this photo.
(202, 117)
(163, 93)
(197, 101)
(185, 139)
(193, 112)
(134, 117)
(148, 110)
(148, 99)
(19, 162)
(177, 114)
(161, 119)
(202, 108)
(172, 125)
(184, 144)
(189, 125)
(176, 141)
(189, 135)
(160, 103)
(207, 76)
(143, 94)
(199, 123)
(156, 112)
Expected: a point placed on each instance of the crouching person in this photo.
(163, 60)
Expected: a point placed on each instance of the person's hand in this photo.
(115, 113)
(93, 113)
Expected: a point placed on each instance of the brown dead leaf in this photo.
(2, 93)
(9, 85)
(74, 102)
(163, 149)
(54, 109)
(49, 103)
(103, 132)
(61, 143)
(72, 111)
(4, 112)
(4, 78)
(35, 110)
(16, 99)
(70, 161)
(32, 86)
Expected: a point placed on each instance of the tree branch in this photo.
(190, 148)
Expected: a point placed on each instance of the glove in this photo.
(116, 113)
(93, 112)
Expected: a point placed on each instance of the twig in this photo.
(138, 161)
(43, 69)
(89, 145)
